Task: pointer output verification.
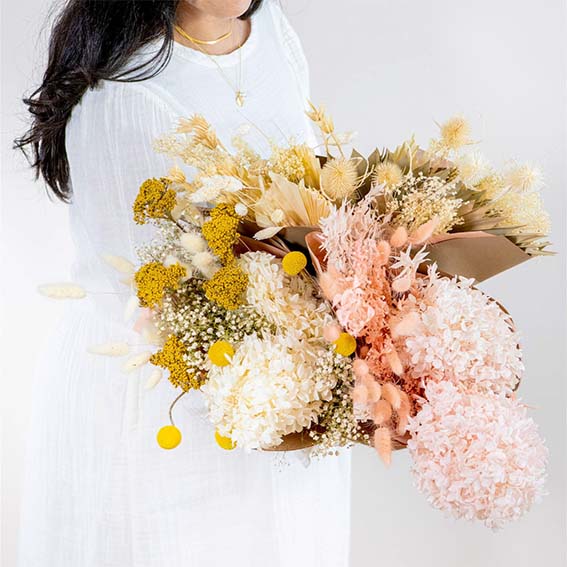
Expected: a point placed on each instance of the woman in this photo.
(100, 492)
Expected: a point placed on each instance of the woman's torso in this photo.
(110, 134)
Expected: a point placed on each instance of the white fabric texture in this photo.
(99, 491)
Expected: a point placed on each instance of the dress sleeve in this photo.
(295, 56)
(292, 47)
(109, 142)
(110, 136)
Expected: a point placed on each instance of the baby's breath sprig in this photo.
(338, 426)
(198, 323)
(418, 198)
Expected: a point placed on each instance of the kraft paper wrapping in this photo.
(302, 440)
(295, 442)
(296, 234)
(476, 255)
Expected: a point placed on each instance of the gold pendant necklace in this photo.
(239, 94)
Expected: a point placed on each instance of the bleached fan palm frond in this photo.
(299, 205)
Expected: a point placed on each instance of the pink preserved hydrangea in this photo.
(463, 337)
(476, 456)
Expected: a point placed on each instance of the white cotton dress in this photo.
(99, 490)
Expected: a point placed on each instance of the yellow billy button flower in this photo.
(345, 344)
(169, 437)
(224, 442)
(293, 263)
(220, 353)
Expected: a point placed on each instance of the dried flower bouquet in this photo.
(320, 301)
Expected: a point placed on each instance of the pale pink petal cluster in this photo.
(463, 337)
(477, 456)
(346, 227)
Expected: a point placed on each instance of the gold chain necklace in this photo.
(206, 41)
(239, 94)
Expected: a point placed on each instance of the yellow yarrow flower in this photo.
(154, 201)
(227, 286)
(153, 279)
(172, 358)
(220, 232)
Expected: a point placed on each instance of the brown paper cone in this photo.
(476, 255)
(297, 234)
(294, 442)
(247, 244)
(302, 440)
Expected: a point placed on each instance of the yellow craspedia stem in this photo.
(294, 262)
(345, 344)
(220, 353)
(224, 442)
(169, 437)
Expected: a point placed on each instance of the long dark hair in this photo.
(91, 41)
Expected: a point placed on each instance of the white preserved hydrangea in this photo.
(271, 388)
(477, 456)
(288, 302)
(463, 336)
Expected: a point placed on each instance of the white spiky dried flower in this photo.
(454, 134)
(523, 177)
(338, 178)
(473, 167)
(388, 174)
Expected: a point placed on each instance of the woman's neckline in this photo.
(226, 60)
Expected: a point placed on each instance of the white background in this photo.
(386, 69)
